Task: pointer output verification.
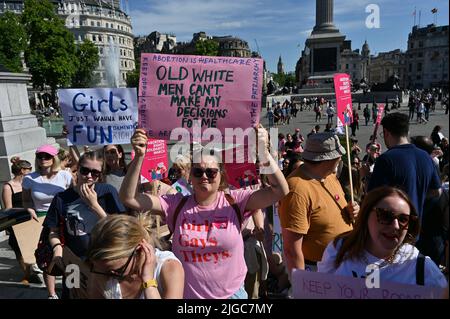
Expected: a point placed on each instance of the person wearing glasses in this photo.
(12, 198)
(126, 261)
(383, 236)
(40, 187)
(80, 208)
(207, 225)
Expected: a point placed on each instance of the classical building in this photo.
(427, 58)
(232, 46)
(228, 45)
(103, 23)
(386, 64)
(155, 42)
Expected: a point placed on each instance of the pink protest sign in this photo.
(241, 172)
(176, 90)
(380, 113)
(156, 160)
(342, 88)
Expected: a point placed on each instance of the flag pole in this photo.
(349, 163)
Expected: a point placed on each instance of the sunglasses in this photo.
(119, 273)
(210, 172)
(85, 172)
(43, 156)
(386, 217)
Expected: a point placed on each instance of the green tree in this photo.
(87, 61)
(284, 79)
(12, 41)
(207, 47)
(51, 52)
(133, 78)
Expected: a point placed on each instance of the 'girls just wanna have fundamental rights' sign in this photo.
(175, 91)
(99, 116)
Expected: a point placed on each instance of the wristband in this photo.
(150, 283)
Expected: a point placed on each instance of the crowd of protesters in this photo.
(394, 214)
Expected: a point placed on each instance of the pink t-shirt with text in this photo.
(208, 242)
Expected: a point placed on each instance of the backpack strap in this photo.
(420, 270)
(177, 212)
(235, 206)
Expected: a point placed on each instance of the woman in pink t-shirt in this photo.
(206, 225)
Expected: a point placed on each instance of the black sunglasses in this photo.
(210, 172)
(119, 273)
(43, 156)
(85, 172)
(386, 217)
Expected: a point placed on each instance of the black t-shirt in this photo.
(78, 219)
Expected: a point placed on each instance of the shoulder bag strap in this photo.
(177, 212)
(235, 206)
(420, 270)
(12, 189)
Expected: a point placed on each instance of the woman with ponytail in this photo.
(126, 261)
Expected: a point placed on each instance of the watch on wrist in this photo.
(150, 283)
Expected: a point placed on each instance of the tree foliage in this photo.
(284, 79)
(12, 41)
(207, 47)
(87, 60)
(51, 52)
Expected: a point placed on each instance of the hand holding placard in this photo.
(139, 142)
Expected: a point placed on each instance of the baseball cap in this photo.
(49, 149)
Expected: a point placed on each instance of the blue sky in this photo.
(281, 27)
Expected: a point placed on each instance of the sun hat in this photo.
(322, 147)
(47, 149)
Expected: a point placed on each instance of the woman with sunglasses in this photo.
(384, 234)
(12, 198)
(206, 225)
(79, 208)
(40, 187)
(126, 261)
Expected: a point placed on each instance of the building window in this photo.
(126, 64)
(354, 65)
(100, 50)
(420, 44)
(419, 67)
(100, 39)
(92, 23)
(346, 66)
(420, 55)
(98, 24)
(418, 77)
(411, 45)
(112, 26)
(107, 24)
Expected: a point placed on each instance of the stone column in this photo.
(20, 134)
(324, 15)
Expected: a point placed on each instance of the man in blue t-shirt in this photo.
(404, 165)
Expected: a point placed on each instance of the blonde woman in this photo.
(127, 264)
(40, 187)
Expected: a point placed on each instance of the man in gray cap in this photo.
(315, 210)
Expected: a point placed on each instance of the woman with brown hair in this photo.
(383, 236)
(207, 225)
(12, 198)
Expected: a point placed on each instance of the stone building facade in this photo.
(427, 58)
(101, 22)
(386, 64)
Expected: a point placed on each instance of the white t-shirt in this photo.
(43, 190)
(401, 270)
(112, 289)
